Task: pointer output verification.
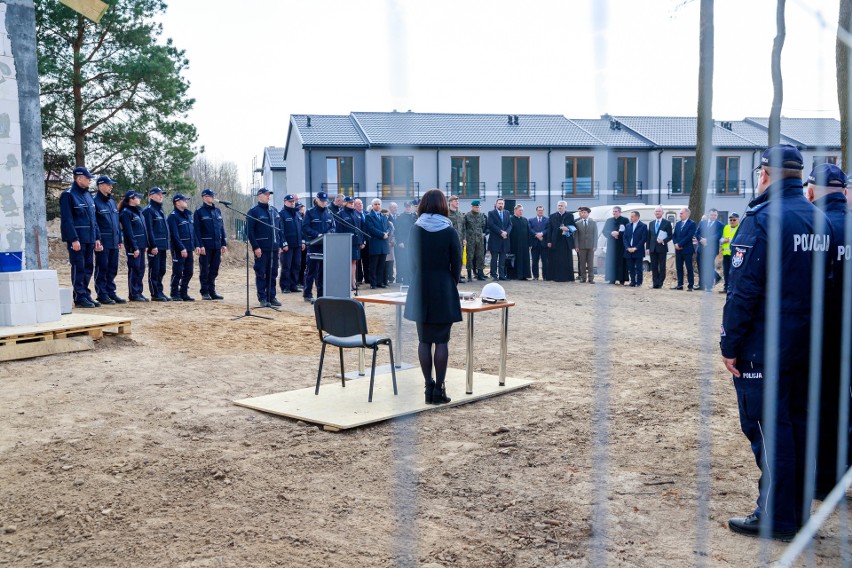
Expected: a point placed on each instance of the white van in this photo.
(600, 214)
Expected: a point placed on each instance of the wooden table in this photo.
(469, 307)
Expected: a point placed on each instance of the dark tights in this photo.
(440, 359)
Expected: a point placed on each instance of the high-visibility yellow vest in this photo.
(728, 232)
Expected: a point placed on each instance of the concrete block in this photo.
(17, 276)
(18, 314)
(17, 291)
(65, 299)
(43, 274)
(47, 287)
(48, 310)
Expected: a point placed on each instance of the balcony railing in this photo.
(731, 188)
(679, 191)
(516, 190)
(409, 190)
(352, 189)
(581, 189)
(621, 190)
(466, 190)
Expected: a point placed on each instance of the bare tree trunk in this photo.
(704, 142)
(79, 136)
(777, 81)
(843, 54)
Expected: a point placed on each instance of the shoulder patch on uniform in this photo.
(738, 257)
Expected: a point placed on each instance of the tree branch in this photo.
(115, 111)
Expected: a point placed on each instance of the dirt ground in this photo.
(135, 455)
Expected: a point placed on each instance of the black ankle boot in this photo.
(439, 394)
(430, 386)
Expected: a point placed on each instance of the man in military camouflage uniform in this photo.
(457, 219)
(474, 234)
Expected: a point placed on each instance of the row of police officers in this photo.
(95, 230)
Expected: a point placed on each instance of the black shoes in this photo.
(105, 300)
(677, 287)
(750, 526)
(287, 290)
(161, 298)
(439, 394)
(187, 298)
(263, 304)
(85, 303)
(206, 297)
(689, 288)
(118, 300)
(177, 298)
(274, 302)
(139, 298)
(309, 299)
(216, 296)
(430, 387)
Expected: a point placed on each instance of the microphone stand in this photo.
(248, 313)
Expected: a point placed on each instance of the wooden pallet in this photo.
(74, 332)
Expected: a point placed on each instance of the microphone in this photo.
(222, 201)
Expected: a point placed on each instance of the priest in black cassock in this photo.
(616, 264)
(560, 243)
(519, 245)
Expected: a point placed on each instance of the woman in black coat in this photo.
(433, 299)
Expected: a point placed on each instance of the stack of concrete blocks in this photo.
(29, 297)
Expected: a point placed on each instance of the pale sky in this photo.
(253, 63)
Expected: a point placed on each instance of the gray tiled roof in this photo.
(275, 156)
(328, 130)
(811, 132)
(614, 138)
(680, 132)
(759, 136)
(478, 130)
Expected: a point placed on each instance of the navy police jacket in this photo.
(262, 227)
(317, 222)
(108, 225)
(802, 247)
(376, 225)
(78, 219)
(181, 231)
(209, 227)
(133, 228)
(156, 225)
(290, 224)
(351, 223)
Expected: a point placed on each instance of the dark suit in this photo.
(635, 237)
(377, 226)
(683, 233)
(498, 221)
(539, 247)
(658, 251)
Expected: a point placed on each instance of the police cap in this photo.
(207, 191)
(322, 196)
(179, 197)
(105, 179)
(827, 175)
(155, 191)
(783, 156)
(82, 171)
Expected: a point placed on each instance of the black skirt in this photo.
(434, 332)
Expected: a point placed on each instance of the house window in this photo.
(339, 175)
(516, 176)
(824, 160)
(626, 183)
(398, 176)
(683, 172)
(579, 176)
(727, 174)
(464, 176)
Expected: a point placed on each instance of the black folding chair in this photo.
(342, 323)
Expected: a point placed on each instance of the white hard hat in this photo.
(492, 293)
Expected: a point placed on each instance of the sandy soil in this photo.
(134, 454)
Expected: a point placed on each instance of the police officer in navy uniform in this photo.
(317, 222)
(135, 243)
(803, 243)
(81, 234)
(210, 232)
(182, 242)
(264, 235)
(158, 243)
(106, 259)
(826, 189)
(291, 253)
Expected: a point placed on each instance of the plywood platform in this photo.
(339, 408)
(74, 332)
